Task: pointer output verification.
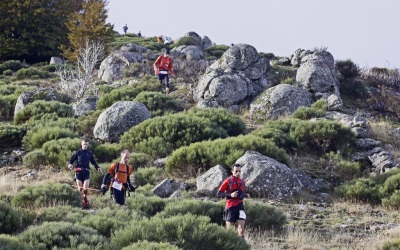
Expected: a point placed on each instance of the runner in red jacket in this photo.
(163, 66)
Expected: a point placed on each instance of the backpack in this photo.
(232, 181)
(117, 171)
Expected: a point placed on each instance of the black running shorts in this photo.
(232, 214)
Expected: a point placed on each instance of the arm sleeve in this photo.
(74, 157)
(222, 189)
(93, 161)
(157, 62)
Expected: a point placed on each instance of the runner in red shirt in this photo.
(162, 66)
(233, 188)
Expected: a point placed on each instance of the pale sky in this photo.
(365, 31)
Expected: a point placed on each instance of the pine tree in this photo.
(34, 30)
(88, 24)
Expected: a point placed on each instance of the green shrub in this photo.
(37, 136)
(150, 175)
(109, 220)
(35, 159)
(64, 235)
(262, 217)
(46, 195)
(318, 109)
(288, 80)
(201, 156)
(391, 245)
(8, 242)
(104, 89)
(197, 207)
(8, 72)
(9, 219)
(138, 160)
(148, 205)
(107, 152)
(61, 213)
(146, 245)
(280, 138)
(13, 65)
(129, 93)
(223, 118)
(269, 56)
(177, 130)
(347, 69)
(50, 68)
(87, 122)
(40, 107)
(157, 103)
(186, 231)
(391, 184)
(11, 135)
(7, 106)
(393, 201)
(360, 190)
(347, 170)
(32, 73)
(216, 51)
(155, 146)
(319, 136)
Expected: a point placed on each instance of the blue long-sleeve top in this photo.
(83, 158)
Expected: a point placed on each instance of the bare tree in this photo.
(79, 79)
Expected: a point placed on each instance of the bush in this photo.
(347, 170)
(391, 184)
(269, 56)
(263, 217)
(157, 103)
(64, 235)
(347, 69)
(148, 205)
(216, 51)
(155, 146)
(128, 93)
(46, 195)
(11, 135)
(280, 138)
(150, 175)
(38, 108)
(38, 135)
(9, 242)
(32, 73)
(360, 190)
(13, 65)
(109, 220)
(318, 109)
(87, 122)
(7, 72)
(318, 137)
(7, 106)
(211, 209)
(200, 156)
(9, 219)
(391, 245)
(107, 152)
(61, 214)
(177, 130)
(138, 160)
(35, 159)
(134, 70)
(186, 231)
(146, 245)
(223, 118)
(393, 201)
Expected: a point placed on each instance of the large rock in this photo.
(56, 60)
(131, 47)
(206, 42)
(119, 118)
(168, 187)
(112, 68)
(278, 101)
(317, 75)
(233, 78)
(46, 94)
(209, 182)
(188, 52)
(84, 105)
(298, 55)
(267, 177)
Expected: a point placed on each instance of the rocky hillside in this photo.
(309, 132)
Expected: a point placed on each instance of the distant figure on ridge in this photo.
(139, 34)
(125, 29)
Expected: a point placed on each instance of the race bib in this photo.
(117, 185)
(163, 72)
(242, 215)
